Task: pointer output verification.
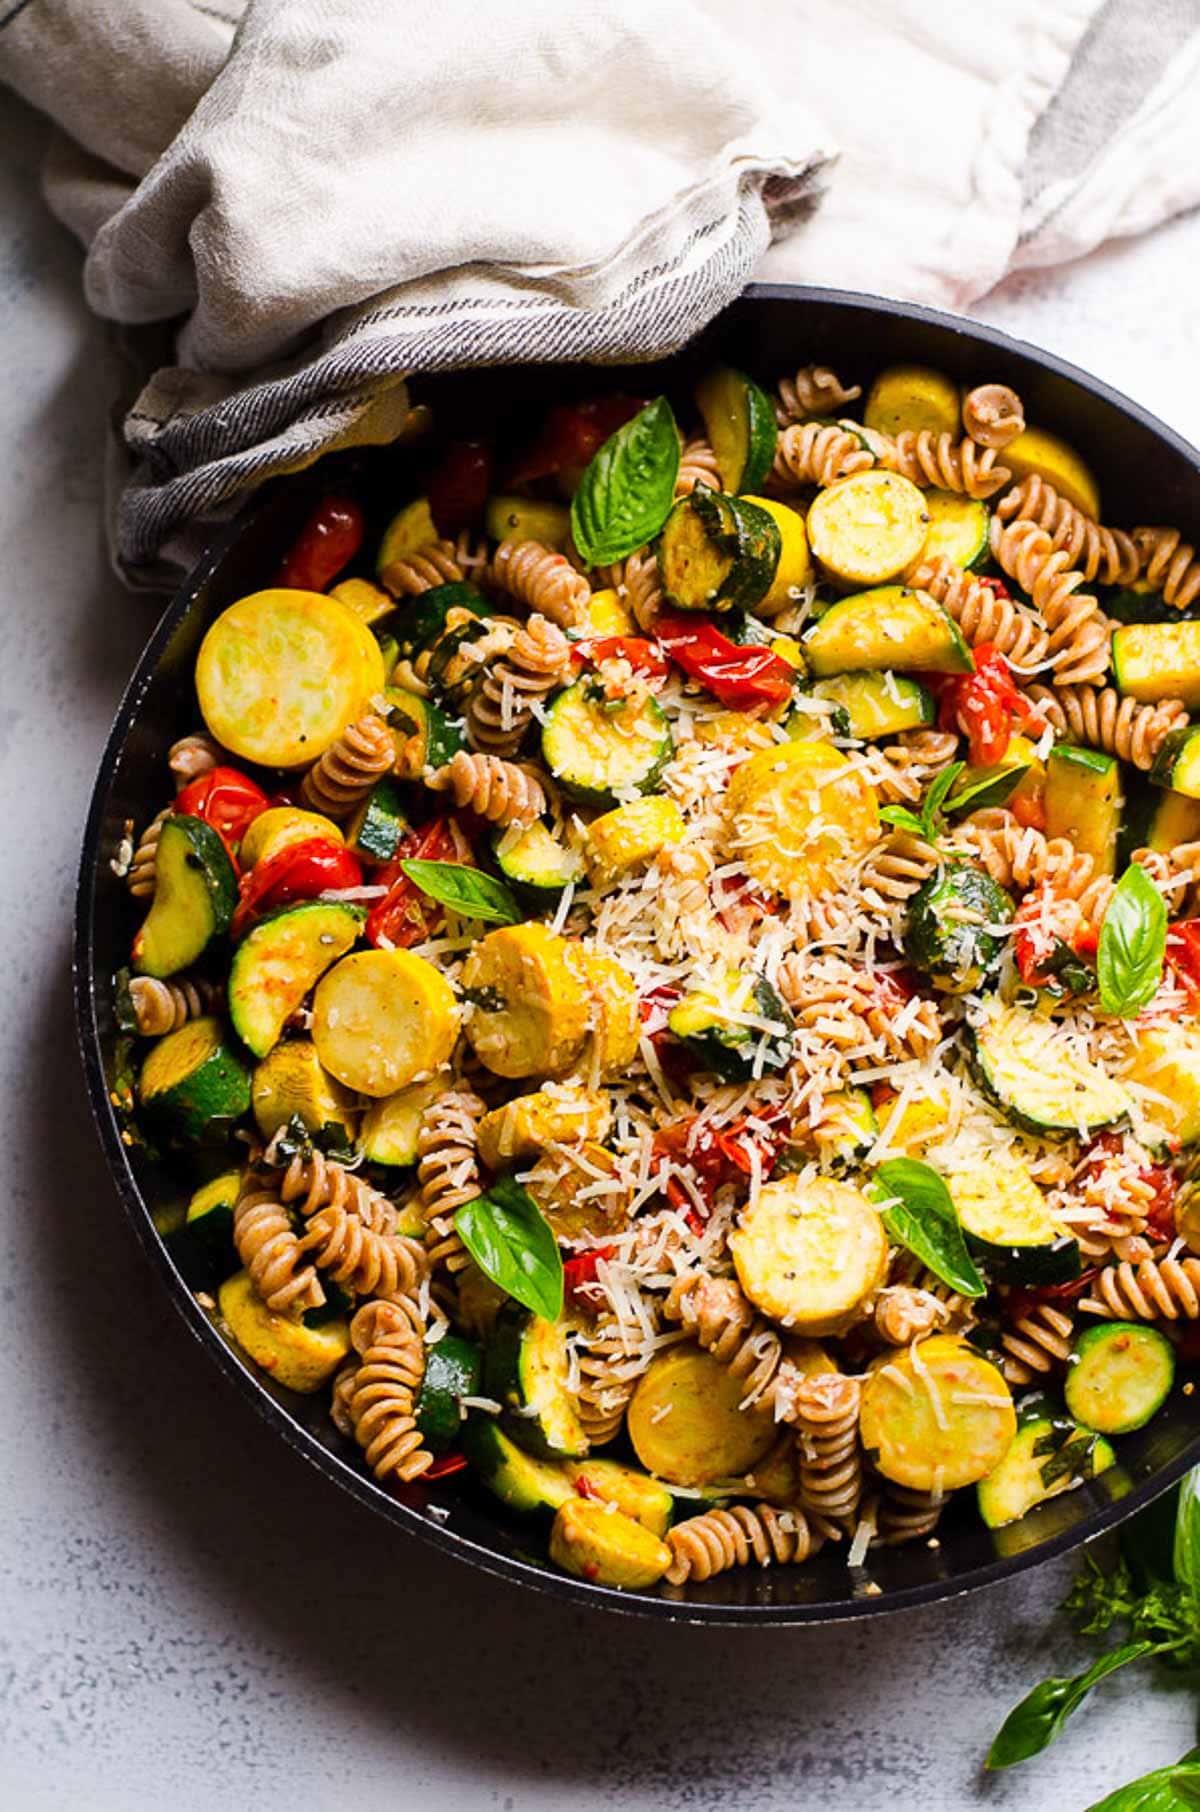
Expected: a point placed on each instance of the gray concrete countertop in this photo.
(190, 1619)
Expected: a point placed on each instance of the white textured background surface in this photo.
(189, 1619)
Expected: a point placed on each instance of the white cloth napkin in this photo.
(314, 199)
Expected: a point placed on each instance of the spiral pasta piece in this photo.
(436, 563)
(980, 613)
(500, 709)
(311, 1181)
(191, 756)
(904, 1314)
(608, 1376)
(372, 1264)
(642, 587)
(717, 1315)
(448, 1173)
(140, 877)
(697, 466)
(1037, 1343)
(818, 453)
(1079, 631)
(815, 390)
(270, 1251)
(1100, 718)
(1109, 555)
(825, 1411)
(895, 867)
(993, 415)
(1017, 855)
(1169, 564)
(720, 1539)
(1166, 1289)
(850, 1007)
(907, 1515)
(340, 780)
(160, 1007)
(545, 580)
(949, 465)
(386, 1383)
(500, 791)
(907, 765)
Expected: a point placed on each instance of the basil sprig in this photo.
(508, 1237)
(918, 1212)
(1037, 1720)
(626, 492)
(932, 819)
(1133, 942)
(1174, 1789)
(468, 891)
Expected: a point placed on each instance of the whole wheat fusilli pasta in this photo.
(815, 390)
(981, 614)
(1079, 632)
(544, 580)
(992, 415)
(1099, 718)
(500, 708)
(340, 780)
(498, 790)
(737, 1537)
(1108, 555)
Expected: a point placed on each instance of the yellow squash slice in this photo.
(530, 1004)
(937, 1416)
(626, 839)
(795, 813)
(868, 528)
(810, 1255)
(1052, 459)
(383, 1019)
(913, 397)
(555, 1115)
(685, 1422)
(299, 1357)
(597, 1542)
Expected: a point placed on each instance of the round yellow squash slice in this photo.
(810, 1255)
(556, 1115)
(531, 1006)
(299, 1357)
(937, 1415)
(686, 1423)
(868, 528)
(383, 1019)
(796, 813)
(281, 673)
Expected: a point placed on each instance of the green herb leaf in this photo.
(1172, 1789)
(508, 1237)
(902, 818)
(1037, 1720)
(468, 891)
(931, 811)
(1187, 1534)
(1133, 942)
(920, 1214)
(626, 492)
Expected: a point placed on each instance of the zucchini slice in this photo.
(1035, 450)
(291, 1353)
(1151, 661)
(382, 1019)
(193, 1086)
(1010, 1227)
(279, 828)
(1166, 1063)
(274, 967)
(1048, 1455)
(528, 1485)
(427, 618)
(913, 397)
(281, 673)
(409, 530)
(221, 1192)
(848, 1128)
(686, 1424)
(452, 1372)
(869, 527)
(889, 626)
(195, 892)
(290, 1083)
(794, 573)
(1177, 764)
(1082, 801)
(202, 1249)
(954, 928)
(936, 1416)
(810, 1255)
(529, 1003)
(1119, 1376)
(1029, 1066)
(739, 421)
(597, 752)
(526, 1125)
(596, 1542)
(634, 1493)
(736, 1025)
(391, 1126)
(878, 704)
(377, 826)
(717, 552)
(623, 841)
(528, 519)
(424, 736)
(535, 859)
(364, 599)
(795, 813)
(958, 529)
(525, 1368)
(1158, 819)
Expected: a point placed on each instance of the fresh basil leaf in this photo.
(1133, 942)
(920, 1215)
(626, 492)
(1187, 1534)
(931, 810)
(1173, 1789)
(902, 818)
(508, 1237)
(1037, 1720)
(470, 892)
